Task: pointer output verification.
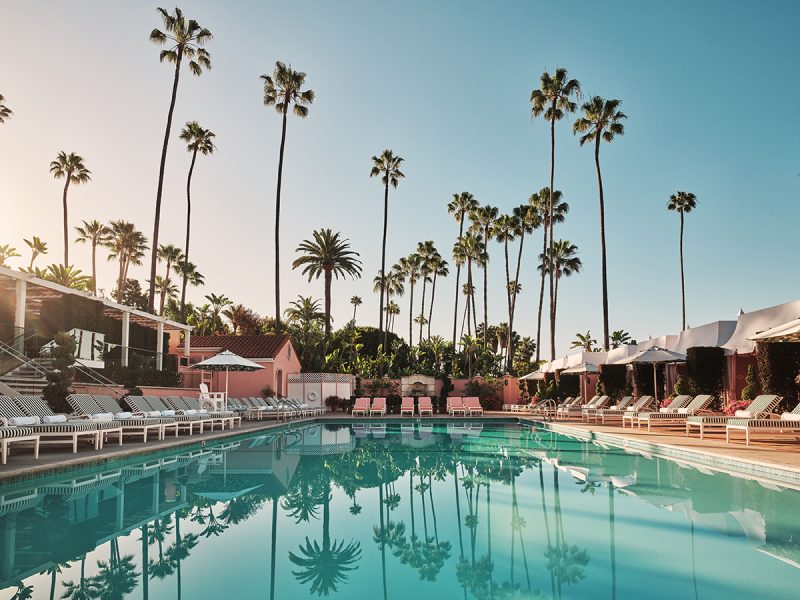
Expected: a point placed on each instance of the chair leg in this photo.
(4, 450)
(36, 449)
(74, 443)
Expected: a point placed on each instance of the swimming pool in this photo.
(444, 510)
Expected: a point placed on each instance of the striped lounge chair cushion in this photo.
(134, 422)
(12, 432)
(69, 427)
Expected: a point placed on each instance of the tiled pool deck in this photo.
(774, 459)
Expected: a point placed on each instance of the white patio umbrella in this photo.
(226, 361)
(655, 356)
(583, 369)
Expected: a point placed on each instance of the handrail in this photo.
(549, 409)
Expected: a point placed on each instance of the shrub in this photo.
(679, 389)
(777, 366)
(612, 381)
(732, 407)
(569, 385)
(750, 390)
(488, 391)
(705, 368)
(643, 378)
(393, 402)
(358, 392)
(268, 392)
(60, 378)
(447, 387)
(333, 403)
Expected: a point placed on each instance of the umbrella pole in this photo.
(655, 383)
(225, 399)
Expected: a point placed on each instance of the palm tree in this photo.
(37, 247)
(97, 234)
(504, 230)
(171, 255)
(356, 302)
(330, 256)
(193, 276)
(483, 219)
(6, 252)
(197, 140)
(166, 291)
(564, 262)
(553, 100)
(467, 250)
(184, 38)
(427, 254)
(217, 302)
(394, 285)
(5, 112)
(387, 167)
(682, 203)
(283, 89)
(526, 218)
(541, 206)
(461, 205)
(619, 338)
(84, 588)
(392, 310)
(440, 269)
(601, 120)
(127, 245)
(585, 341)
(306, 314)
(411, 267)
(71, 168)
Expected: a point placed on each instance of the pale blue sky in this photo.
(709, 87)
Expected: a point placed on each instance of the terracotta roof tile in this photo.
(247, 346)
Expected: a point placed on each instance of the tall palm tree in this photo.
(601, 120)
(682, 203)
(306, 314)
(526, 218)
(392, 310)
(328, 255)
(197, 140)
(553, 100)
(440, 269)
(411, 267)
(468, 250)
(427, 253)
(393, 285)
(541, 205)
(283, 89)
(127, 245)
(356, 302)
(97, 234)
(71, 168)
(483, 219)
(189, 269)
(461, 205)
(387, 167)
(166, 291)
(217, 302)
(184, 38)
(504, 231)
(5, 112)
(620, 337)
(171, 255)
(564, 262)
(584, 340)
(37, 247)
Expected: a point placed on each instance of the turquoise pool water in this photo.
(426, 512)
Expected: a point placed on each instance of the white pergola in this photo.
(29, 292)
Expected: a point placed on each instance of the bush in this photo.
(705, 368)
(393, 402)
(732, 407)
(333, 403)
(643, 378)
(268, 392)
(489, 391)
(569, 385)
(60, 378)
(447, 387)
(777, 366)
(750, 391)
(358, 392)
(679, 389)
(611, 381)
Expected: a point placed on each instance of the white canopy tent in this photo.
(654, 356)
(786, 332)
(748, 325)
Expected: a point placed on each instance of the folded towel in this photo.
(683, 411)
(103, 417)
(787, 416)
(191, 411)
(202, 411)
(54, 419)
(167, 413)
(24, 421)
(123, 415)
(664, 410)
(152, 413)
(746, 414)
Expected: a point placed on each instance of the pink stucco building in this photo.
(273, 352)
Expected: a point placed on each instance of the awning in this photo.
(786, 332)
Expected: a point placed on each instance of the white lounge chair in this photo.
(788, 422)
(760, 407)
(678, 416)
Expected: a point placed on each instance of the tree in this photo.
(585, 341)
(71, 168)
(197, 140)
(620, 337)
(682, 203)
(541, 206)
(356, 302)
(171, 255)
(217, 302)
(461, 205)
(428, 254)
(564, 262)
(527, 218)
(283, 89)
(553, 100)
(5, 112)
(193, 276)
(440, 269)
(469, 249)
(483, 219)
(97, 234)
(601, 120)
(67, 276)
(504, 230)
(328, 255)
(127, 245)
(387, 167)
(185, 38)
(411, 267)
(6, 252)
(37, 247)
(166, 291)
(393, 285)
(243, 320)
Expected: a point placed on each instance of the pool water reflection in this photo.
(394, 511)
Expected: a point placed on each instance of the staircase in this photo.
(29, 377)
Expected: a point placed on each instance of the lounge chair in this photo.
(361, 407)
(87, 407)
(572, 405)
(247, 411)
(11, 434)
(110, 405)
(407, 406)
(641, 405)
(678, 416)
(455, 405)
(676, 403)
(180, 405)
(53, 428)
(577, 411)
(378, 407)
(591, 413)
(760, 407)
(283, 409)
(472, 405)
(152, 406)
(425, 406)
(788, 422)
(226, 417)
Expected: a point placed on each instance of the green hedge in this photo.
(778, 365)
(612, 380)
(569, 385)
(643, 377)
(705, 367)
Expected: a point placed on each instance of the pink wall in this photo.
(510, 387)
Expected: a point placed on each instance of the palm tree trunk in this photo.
(683, 289)
(94, 267)
(458, 280)
(422, 310)
(552, 192)
(383, 257)
(151, 294)
(469, 296)
(186, 246)
(555, 302)
(354, 314)
(274, 534)
(278, 226)
(541, 301)
(145, 562)
(383, 538)
(612, 538)
(411, 315)
(66, 223)
(164, 290)
(433, 297)
(510, 351)
(328, 280)
(602, 241)
(508, 297)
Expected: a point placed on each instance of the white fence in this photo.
(313, 388)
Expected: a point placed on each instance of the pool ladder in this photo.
(548, 410)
